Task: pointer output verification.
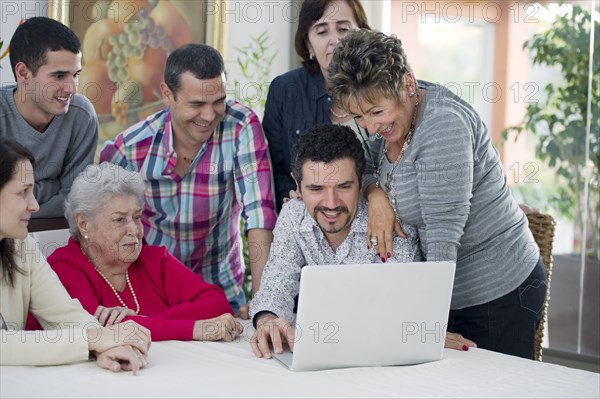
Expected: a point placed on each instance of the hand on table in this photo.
(458, 342)
(128, 333)
(110, 316)
(124, 358)
(271, 329)
(224, 327)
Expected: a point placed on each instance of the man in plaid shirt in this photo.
(205, 162)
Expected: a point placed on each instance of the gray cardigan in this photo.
(451, 186)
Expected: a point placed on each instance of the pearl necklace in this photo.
(112, 287)
(390, 175)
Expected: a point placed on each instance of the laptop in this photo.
(385, 314)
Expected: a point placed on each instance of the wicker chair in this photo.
(542, 227)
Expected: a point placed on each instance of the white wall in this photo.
(11, 12)
(246, 19)
(378, 14)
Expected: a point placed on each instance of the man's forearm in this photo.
(259, 244)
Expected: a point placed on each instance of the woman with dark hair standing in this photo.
(298, 99)
(28, 284)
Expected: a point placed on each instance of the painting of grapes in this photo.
(125, 44)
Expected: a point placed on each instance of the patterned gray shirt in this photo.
(298, 241)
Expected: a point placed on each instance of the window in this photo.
(467, 54)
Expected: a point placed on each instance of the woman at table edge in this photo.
(28, 284)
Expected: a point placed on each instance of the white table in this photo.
(216, 369)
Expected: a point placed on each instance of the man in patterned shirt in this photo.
(327, 226)
(205, 162)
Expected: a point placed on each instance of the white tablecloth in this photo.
(216, 369)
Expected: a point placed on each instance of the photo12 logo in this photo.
(469, 11)
(413, 332)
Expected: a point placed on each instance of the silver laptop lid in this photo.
(372, 315)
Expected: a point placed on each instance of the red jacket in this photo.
(171, 296)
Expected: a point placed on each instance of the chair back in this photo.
(542, 226)
(50, 233)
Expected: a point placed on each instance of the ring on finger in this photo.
(373, 240)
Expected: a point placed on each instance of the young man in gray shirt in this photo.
(43, 112)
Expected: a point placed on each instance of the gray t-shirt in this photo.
(61, 152)
(451, 186)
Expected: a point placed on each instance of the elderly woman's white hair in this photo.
(96, 186)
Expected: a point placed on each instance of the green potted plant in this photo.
(255, 61)
(560, 122)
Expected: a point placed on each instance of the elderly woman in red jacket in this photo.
(116, 277)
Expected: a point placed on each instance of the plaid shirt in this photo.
(197, 217)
